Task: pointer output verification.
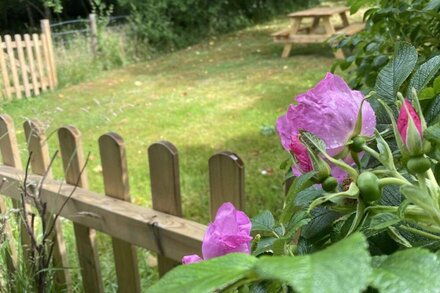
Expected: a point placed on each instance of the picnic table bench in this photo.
(297, 34)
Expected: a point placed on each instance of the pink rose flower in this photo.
(329, 111)
(230, 232)
(403, 120)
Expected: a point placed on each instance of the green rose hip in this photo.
(416, 165)
(329, 184)
(368, 184)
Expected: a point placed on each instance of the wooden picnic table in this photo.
(295, 34)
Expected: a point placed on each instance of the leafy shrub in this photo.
(388, 22)
(168, 24)
(377, 229)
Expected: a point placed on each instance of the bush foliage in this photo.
(169, 24)
(387, 22)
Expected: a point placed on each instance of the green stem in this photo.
(392, 180)
(422, 182)
(372, 152)
(420, 232)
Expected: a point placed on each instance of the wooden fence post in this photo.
(11, 157)
(30, 58)
(37, 44)
(40, 160)
(45, 28)
(73, 162)
(4, 69)
(226, 181)
(114, 171)
(23, 67)
(13, 65)
(163, 160)
(93, 34)
(9, 151)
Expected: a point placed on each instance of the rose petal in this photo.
(189, 259)
(329, 111)
(228, 233)
(403, 120)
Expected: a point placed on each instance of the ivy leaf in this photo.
(206, 276)
(263, 222)
(342, 267)
(424, 74)
(392, 76)
(432, 133)
(410, 270)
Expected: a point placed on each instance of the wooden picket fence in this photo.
(27, 63)
(160, 229)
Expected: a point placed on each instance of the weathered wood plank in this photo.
(5, 74)
(11, 157)
(319, 11)
(46, 61)
(137, 225)
(31, 60)
(226, 181)
(23, 67)
(114, 171)
(13, 66)
(163, 160)
(38, 44)
(45, 28)
(73, 163)
(40, 161)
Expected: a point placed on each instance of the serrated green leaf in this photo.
(264, 245)
(424, 74)
(410, 270)
(312, 141)
(432, 112)
(352, 193)
(206, 276)
(432, 133)
(427, 93)
(306, 196)
(321, 221)
(382, 221)
(300, 183)
(419, 197)
(436, 85)
(263, 221)
(392, 76)
(324, 271)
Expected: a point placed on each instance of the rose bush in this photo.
(379, 231)
(329, 111)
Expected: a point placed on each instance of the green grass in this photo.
(210, 97)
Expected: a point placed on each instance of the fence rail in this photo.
(27, 63)
(160, 229)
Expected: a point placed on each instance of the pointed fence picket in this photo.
(161, 229)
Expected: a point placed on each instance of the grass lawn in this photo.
(210, 97)
(214, 96)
